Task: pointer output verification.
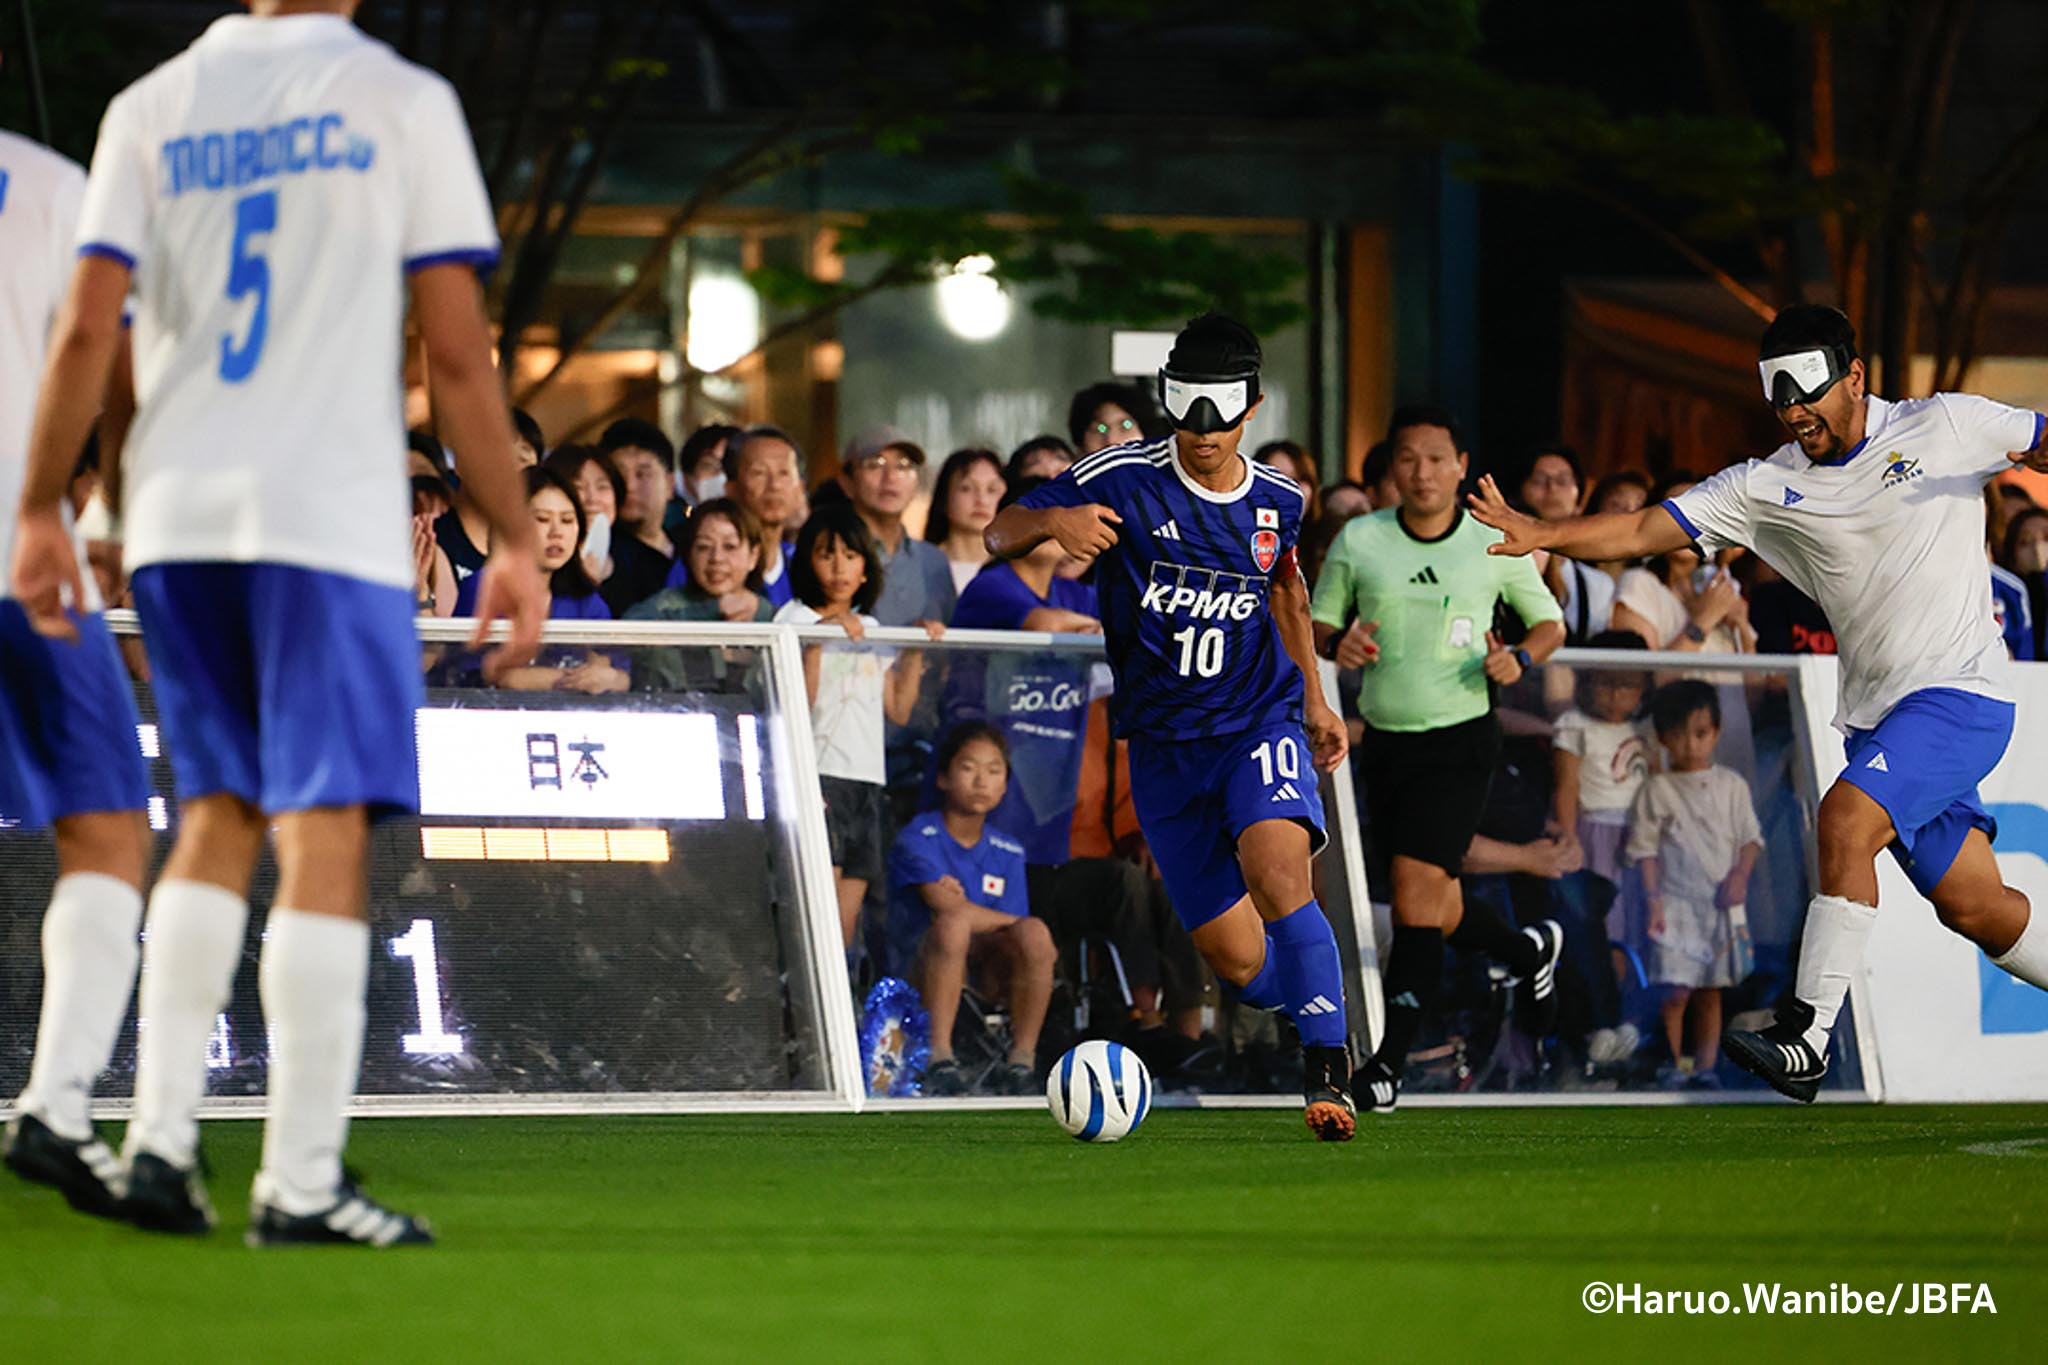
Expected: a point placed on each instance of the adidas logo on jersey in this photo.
(1793, 497)
(1320, 1005)
(1167, 532)
(1286, 791)
(1427, 577)
(1877, 762)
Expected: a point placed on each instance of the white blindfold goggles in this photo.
(1801, 377)
(1207, 405)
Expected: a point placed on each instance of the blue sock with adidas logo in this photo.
(1301, 952)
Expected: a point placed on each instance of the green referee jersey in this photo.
(1434, 600)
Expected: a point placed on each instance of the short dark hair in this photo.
(736, 446)
(1608, 639)
(636, 434)
(701, 440)
(529, 432)
(1551, 450)
(568, 461)
(964, 734)
(835, 521)
(1808, 327)
(938, 522)
(1620, 478)
(427, 444)
(1425, 415)
(1378, 462)
(743, 521)
(1214, 344)
(572, 579)
(1082, 408)
(1673, 704)
(1048, 441)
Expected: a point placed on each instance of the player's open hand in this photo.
(45, 574)
(513, 590)
(1501, 664)
(1357, 647)
(1084, 532)
(1522, 533)
(1328, 739)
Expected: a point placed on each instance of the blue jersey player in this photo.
(271, 193)
(1207, 625)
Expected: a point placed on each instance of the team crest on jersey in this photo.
(1901, 470)
(1265, 549)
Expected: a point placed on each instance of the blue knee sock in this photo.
(1302, 952)
(1263, 991)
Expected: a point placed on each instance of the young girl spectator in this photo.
(957, 882)
(1694, 835)
(599, 490)
(964, 499)
(1601, 754)
(572, 597)
(835, 577)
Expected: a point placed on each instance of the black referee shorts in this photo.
(1425, 790)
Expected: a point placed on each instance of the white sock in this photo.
(192, 944)
(89, 957)
(1830, 951)
(315, 969)
(2027, 959)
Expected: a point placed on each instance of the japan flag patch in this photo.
(1269, 518)
(991, 884)
(1265, 549)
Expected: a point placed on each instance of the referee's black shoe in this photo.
(85, 1171)
(354, 1219)
(1377, 1086)
(164, 1198)
(1326, 1093)
(1780, 1054)
(1536, 995)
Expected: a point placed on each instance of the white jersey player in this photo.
(68, 752)
(1874, 510)
(269, 193)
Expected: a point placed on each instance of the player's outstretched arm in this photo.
(82, 351)
(1610, 535)
(469, 401)
(1083, 532)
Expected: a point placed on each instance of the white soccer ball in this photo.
(1100, 1091)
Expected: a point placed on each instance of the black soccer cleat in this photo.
(86, 1172)
(164, 1198)
(1536, 995)
(1377, 1086)
(354, 1219)
(1326, 1093)
(1780, 1054)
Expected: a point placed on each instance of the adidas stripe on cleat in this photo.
(1780, 1054)
(85, 1170)
(1377, 1087)
(1536, 997)
(164, 1198)
(354, 1220)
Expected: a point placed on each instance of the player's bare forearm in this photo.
(116, 417)
(469, 402)
(86, 340)
(1606, 536)
(1017, 530)
(1298, 634)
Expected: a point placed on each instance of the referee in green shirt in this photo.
(1408, 595)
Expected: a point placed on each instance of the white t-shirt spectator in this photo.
(1614, 758)
(1693, 824)
(847, 718)
(1588, 600)
(1643, 593)
(271, 187)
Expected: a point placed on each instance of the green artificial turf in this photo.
(1209, 1236)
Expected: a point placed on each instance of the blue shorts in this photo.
(1922, 763)
(68, 743)
(287, 687)
(1195, 797)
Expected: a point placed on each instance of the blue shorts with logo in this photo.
(290, 688)
(1922, 763)
(68, 741)
(1195, 797)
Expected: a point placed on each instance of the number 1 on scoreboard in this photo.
(433, 1039)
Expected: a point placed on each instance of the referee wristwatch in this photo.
(1521, 657)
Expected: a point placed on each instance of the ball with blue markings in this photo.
(1100, 1091)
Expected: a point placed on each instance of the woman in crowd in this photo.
(559, 518)
(964, 499)
(723, 550)
(1295, 461)
(1041, 457)
(1550, 488)
(1674, 604)
(1104, 415)
(599, 490)
(2026, 554)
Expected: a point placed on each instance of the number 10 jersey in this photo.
(1184, 591)
(271, 187)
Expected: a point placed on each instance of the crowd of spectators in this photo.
(1648, 812)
